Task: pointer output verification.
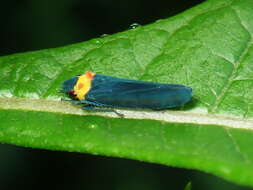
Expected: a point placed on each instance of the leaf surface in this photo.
(208, 47)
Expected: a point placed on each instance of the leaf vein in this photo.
(237, 147)
(231, 77)
(174, 32)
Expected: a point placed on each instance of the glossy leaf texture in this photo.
(208, 47)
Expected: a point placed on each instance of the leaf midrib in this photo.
(63, 107)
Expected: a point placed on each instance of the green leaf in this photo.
(208, 47)
(188, 186)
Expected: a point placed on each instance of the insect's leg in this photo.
(88, 102)
(75, 102)
(94, 108)
(88, 107)
(118, 114)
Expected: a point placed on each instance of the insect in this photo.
(95, 91)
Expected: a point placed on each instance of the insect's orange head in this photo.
(83, 85)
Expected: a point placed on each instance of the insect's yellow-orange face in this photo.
(83, 85)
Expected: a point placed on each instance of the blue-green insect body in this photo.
(96, 90)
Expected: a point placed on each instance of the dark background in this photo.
(32, 25)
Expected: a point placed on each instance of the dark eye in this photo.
(72, 93)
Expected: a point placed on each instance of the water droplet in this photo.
(115, 150)
(88, 146)
(134, 25)
(45, 141)
(97, 41)
(103, 35)
(70, 145)
(157, 21)
(92, 126)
